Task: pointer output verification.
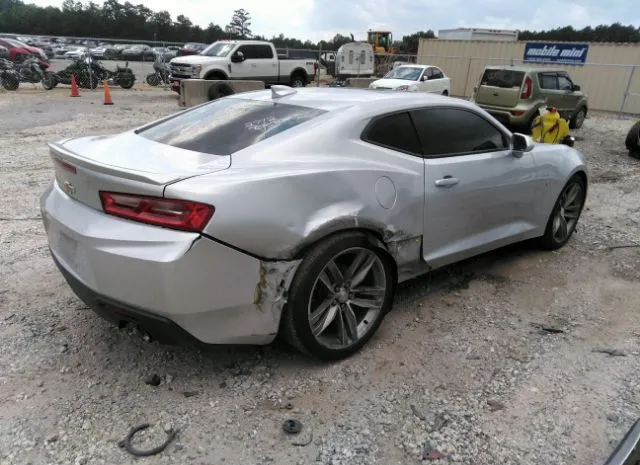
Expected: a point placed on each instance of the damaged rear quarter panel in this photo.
(278, 200)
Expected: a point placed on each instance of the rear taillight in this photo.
(526, 88)
(183, 215)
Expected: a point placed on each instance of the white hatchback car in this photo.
(415, 78)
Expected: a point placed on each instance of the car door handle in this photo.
(447, 181)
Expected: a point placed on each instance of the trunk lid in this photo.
(125, 163)
(500, 87)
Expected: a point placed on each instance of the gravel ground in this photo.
(461, 371)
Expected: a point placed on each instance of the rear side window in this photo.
(395, 132)
(504, 78)
(228, 125)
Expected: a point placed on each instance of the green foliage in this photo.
(240, 24)
(125, 20)
(603, 33)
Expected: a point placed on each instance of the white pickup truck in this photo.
(242, 60)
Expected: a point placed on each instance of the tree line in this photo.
(138, 22)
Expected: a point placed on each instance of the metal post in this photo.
(318, 72)
(626, 92)
(466, 81)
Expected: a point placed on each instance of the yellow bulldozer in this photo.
(382, 42)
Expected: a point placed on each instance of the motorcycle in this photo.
(9, 78)
(34, 70)
(161, 73)
(89, 73)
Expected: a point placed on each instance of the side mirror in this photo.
(424, 78)
(521, 143)
(237, 57)
(576, 88)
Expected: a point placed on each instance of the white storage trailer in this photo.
(355, 59)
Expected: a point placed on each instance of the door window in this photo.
(395, 132)
(548, 81)
(248, 51)
(451, 131)
(437, 73)
(564, 83)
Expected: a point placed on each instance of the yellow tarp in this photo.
(550, 128)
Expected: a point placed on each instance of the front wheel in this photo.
(577, 120)
(49, 80)
(126, 81)
(153, 79)
(565, 215)
(9, 81)
(338, 297)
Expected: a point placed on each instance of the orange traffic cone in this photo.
(74, 87)
(107, 94)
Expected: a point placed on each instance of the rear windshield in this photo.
(502, 78)
(228, 125)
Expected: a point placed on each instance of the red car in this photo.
(16, 52)
(191, 48)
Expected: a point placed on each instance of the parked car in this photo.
(35, 51)
(76, 52)
(242, 59)
(191, 48)
(46, 47)
(103, 52)
(164, 53)
(117, 50)
(17, 53)
(139, 52)
(514, 94)
(59, 50)
(415, 78)
(296, 211)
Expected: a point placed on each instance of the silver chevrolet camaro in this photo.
(295, 212)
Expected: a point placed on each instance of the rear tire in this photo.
(127, 81)
(323, 301)
(565, 214)
(632, 142)
(298, 80)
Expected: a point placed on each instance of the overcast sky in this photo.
(321, 19)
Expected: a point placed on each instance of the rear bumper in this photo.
(511, 116)
(129, 271)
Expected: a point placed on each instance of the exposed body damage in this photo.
(272, 286)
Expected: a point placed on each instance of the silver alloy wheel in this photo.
(568, 211)
(347, 297)
(297, 82)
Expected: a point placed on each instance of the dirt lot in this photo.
(459, 368)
